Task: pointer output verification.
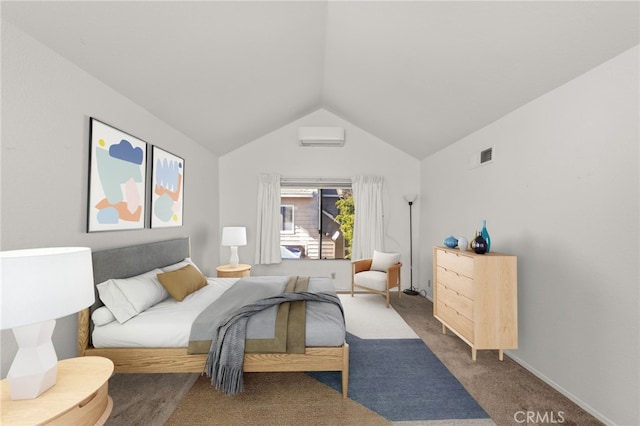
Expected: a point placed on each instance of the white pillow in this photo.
(127, 297)
(116, 301)
(382, 261)
(102, 316)
(181, 264)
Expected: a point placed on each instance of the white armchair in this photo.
(377, 275)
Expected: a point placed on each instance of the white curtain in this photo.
(269, 218)
(368, 226)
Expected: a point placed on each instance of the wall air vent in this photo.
(321, 136)
(486, 156)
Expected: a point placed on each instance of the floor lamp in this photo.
(410, 198)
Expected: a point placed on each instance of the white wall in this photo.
(562, 195)
(279, 152)
(46, 105)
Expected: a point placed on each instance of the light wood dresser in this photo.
(475, 296)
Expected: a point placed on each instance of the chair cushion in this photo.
(372, 279)
(382, 261)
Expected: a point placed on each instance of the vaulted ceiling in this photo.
(418, 74)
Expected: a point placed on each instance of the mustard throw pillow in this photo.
(182, 282)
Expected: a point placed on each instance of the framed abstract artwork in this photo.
(117, 179)
(167, 189)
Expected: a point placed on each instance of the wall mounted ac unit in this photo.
(321, 136)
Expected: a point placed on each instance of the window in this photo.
(323, 223)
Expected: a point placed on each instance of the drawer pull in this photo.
(88, 400)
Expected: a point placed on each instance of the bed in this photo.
(174, 356)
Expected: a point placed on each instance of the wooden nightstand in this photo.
(227, 271)
(79, 397)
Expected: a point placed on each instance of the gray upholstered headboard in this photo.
(128, 261)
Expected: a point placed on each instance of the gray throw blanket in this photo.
(226, 356)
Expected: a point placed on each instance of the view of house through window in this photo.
(317, 223)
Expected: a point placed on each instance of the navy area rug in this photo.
(402, 380)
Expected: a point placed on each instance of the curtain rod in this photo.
(316, 182)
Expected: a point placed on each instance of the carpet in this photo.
(384, 349)
(271, 399)
(146, 399)
(402, 380)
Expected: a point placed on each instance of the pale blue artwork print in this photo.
(167, 195)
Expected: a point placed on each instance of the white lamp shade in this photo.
(234, 236)
(410, 198)
(43, 284)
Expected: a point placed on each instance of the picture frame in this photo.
(167, 191)
(117, 179)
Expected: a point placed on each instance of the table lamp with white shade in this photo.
(234, 236)
(37, 287)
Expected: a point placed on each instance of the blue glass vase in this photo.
(485, 235)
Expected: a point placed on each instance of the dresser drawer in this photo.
(461, 284)
(452, 261)
(455, 321)
(456, 301)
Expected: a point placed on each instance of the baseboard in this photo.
(588, 408)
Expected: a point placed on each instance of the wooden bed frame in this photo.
(134, 260)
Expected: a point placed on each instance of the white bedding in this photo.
(168, 323)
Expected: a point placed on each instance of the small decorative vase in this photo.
(450, 242)
(475, 235)
(463, 244)
(485, 235)
(479, 245)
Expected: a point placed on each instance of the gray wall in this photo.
(46, 105)
(562, 194)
